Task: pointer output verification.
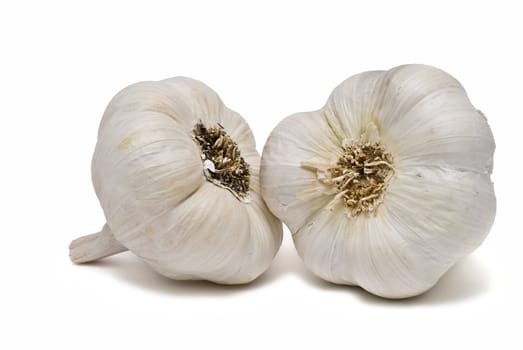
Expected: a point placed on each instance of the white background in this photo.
(60, 63)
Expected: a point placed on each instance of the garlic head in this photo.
(388, 185)
(177, 175)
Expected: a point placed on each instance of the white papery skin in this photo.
(148, 175)
(439, 204)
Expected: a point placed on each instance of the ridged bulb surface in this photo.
(153, 182)
(388, 185)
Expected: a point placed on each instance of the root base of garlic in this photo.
(361, 176)
(223, 164)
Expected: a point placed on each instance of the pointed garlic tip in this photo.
(94, 246)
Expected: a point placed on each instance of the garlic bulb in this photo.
(388, 185)
(177, 175)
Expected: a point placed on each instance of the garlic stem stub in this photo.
(177, 175)
(388, 185)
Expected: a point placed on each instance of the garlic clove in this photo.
(401, 88)
(432, 123)
(263, 244)
(368, 252)
(385, 264)
(444, 213)
(324, 241)
(353, 99)
(447, 134)
(162, 166)
(204, 104)
(286, 180)
(204, 237)
(417, 240)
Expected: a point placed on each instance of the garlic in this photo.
(388, 185)
(177, 175)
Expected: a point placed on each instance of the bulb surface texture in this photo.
(388, 185)
(177, 176)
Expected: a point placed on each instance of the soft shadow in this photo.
(464, 281)
(130, 269)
